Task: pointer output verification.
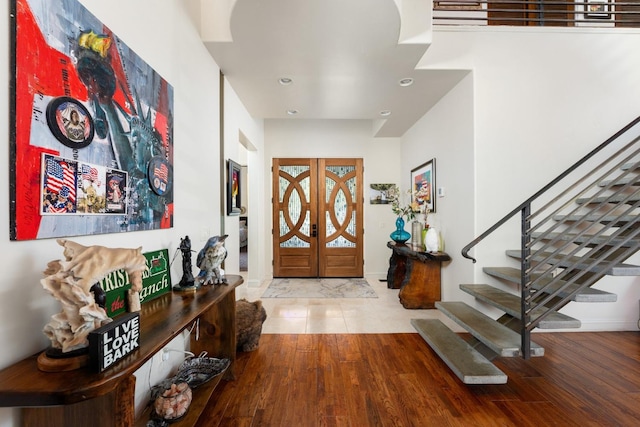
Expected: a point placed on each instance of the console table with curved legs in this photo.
(416, 273)
(84, 398)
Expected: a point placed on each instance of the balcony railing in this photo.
(557, 13)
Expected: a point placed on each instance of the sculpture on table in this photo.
(249, 319)
(187, 282)
(210, 259)
(72, 282)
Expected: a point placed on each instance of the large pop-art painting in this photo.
(91, 147)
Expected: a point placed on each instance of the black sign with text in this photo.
(113, 341)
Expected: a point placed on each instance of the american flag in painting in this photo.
(162, 172)
(61, 178)
(57, 209)
(89, 173)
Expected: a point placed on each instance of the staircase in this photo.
(576, 230)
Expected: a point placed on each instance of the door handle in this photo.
(314, 230)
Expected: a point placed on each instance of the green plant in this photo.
(404, 210)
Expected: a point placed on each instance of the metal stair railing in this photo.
(557, 13)
(587, 202)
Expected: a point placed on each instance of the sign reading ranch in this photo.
(156, 281)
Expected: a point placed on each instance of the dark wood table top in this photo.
(417, 253)
(161, 319)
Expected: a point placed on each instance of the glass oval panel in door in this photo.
(340, 246)
(294, 209)
(294, 221)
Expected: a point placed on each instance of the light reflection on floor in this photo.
(384, 314)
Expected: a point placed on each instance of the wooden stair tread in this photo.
(499, 338)
(583, 263)
(593, 239)
(585, 295)
(510, 304)
(614, 198)
(466, 362)
(630, 166)
(620, 181)
(617, 220)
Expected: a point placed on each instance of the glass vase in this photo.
(400, 235)
(424, 238)
(416, 234)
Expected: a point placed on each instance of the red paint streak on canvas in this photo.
(38, 72)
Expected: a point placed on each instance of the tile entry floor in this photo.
(384, 314)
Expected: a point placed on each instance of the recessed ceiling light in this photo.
(285, 81)
(385, 113)
(406, 82)
(292, 112)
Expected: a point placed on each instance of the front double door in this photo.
(317, 218)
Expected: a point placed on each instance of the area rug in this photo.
(319, 288)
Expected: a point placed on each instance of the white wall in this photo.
(542, 98)
(167, 38)
(239, 125)
(446, 134)
(547, 96)
(340, 138)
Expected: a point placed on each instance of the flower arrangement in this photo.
(417, 204)
(403, 210)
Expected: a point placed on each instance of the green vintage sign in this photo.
(156, 281)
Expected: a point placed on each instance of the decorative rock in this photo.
(249, 319)
(173, 402)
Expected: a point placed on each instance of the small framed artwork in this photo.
(423, 184)
(599, 9)
(234, 200)
(457, 5)
(379, 194)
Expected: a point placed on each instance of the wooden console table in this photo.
(416, 274)
(84, 398)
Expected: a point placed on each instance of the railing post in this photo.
(541, 22)
(525, 264)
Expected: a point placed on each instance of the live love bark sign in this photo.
(110, 343)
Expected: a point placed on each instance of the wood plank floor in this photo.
(584, 379)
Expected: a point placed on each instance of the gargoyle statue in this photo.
(209, 260)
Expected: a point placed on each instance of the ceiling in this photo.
(345, 58)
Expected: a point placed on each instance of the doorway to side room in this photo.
(244, 221)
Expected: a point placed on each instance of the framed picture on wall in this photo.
(234, 199)
(598, 9)
(73, 84)
(379, 194)
(423, 184)
(457, 5)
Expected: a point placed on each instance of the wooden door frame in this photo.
(294, 262)
(341, 262)
(300, 262)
